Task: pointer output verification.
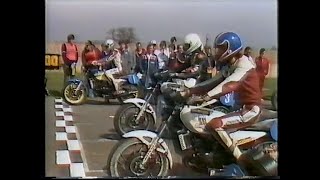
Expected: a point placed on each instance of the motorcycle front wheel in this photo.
(127, 157)
(73, 97)
(124, 119)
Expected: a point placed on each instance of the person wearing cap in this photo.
(262, 67)
(69, 51)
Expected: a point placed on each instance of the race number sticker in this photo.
(228, 99)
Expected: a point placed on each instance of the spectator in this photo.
(180, 48)
(163, 55)
(126, 58)
(89, 54)
(149, 65)
(104, 50)
(69, 51)
(172, 46)
(154, 43)
(138, 54)
(247, 52)
(262, 67)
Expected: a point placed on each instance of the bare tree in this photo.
(123, 34)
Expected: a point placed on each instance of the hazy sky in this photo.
(254, 20)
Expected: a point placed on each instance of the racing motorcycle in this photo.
(139, 114)
(146, 153)
(102, 84)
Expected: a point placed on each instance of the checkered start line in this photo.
(68, 152)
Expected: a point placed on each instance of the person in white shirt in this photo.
(163, 55)
(247, 52)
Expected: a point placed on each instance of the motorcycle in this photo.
(138, 113)
(102, 84)
(201, 150)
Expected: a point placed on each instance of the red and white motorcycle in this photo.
(145, 153)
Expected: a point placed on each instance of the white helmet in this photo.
(109, 42)
(194, 41)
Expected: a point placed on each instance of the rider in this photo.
(113, 61)
(194, 54)
(240, 76)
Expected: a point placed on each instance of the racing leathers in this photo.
(242, 78)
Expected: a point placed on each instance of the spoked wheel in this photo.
(73, 97)
(125, 120)
(127, 159)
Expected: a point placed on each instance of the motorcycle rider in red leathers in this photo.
(240, 76)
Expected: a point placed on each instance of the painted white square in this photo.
(70, 129)
(67, 109)
(61, 136)
(73, 145)
(58, 100)
(68, 118)
(58, 106)
(59, 113)
(77, 170)
(63, 157)
(60, 123)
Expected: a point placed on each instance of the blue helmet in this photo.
(233, 42)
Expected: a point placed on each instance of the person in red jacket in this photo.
(69, 51)
(90, 54)
(262, 67)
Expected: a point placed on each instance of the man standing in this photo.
(262, 67)
(247, 52)
(138, 54)
(126, 57)
(163, 55)
(70, 54)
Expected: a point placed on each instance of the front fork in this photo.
(143, 108)
(78, 87)
(155, 140)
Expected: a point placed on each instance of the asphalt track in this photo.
(93, 122)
